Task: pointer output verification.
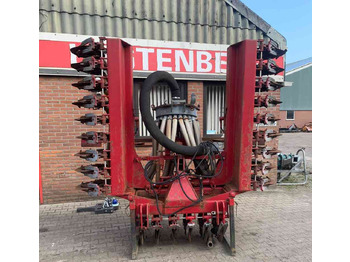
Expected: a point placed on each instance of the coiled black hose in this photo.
(151, 80)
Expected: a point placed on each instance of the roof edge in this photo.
(294, 70)
(259, 22)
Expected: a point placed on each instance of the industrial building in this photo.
(297, 101)
(186, 38)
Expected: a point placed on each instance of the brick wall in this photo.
(57, 138)
(197, 89)
(58, 131)
(300, 118)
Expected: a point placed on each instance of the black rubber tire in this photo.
(147, 118)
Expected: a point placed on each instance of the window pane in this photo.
(290, 115)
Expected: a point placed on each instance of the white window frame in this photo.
(290, 119)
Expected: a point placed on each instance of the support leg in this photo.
(232, 241)
(134, 235)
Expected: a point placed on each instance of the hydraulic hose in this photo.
(174, 130)
(151, 80)
(190, 132)
(197, 131)
(184, 131)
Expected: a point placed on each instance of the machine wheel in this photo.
(204, 232)
(142, 237)
(201, 231)
(222, 231)
(157, 236)
(173, 235)
(200, 223)
(189, 235)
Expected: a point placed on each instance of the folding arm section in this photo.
(120, 82)
(240, 90)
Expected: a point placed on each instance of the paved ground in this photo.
(291, 142)
(273, 225)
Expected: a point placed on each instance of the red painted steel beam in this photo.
(240, 90)
(120, 93)
(208, 204)
(205, 207)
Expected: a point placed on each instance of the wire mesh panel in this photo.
(214, 107)
(160, 94)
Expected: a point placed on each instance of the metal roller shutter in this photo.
(214, 106)
(160, 94)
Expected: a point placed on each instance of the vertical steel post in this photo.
(134, 234)
(240, 91)
(232, 243)
(121, 120)
(40, 184)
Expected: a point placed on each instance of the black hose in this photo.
(151, 80)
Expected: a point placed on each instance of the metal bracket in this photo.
(303, 171)
(108, 206)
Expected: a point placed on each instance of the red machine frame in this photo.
(127, 180)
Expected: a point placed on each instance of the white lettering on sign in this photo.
(148, 55)
(56, 54)
(205, 61)
(161, 59)
(188, 64)
(219, 62)
(73, 58)
(145, 53)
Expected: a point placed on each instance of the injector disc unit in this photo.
(178, 107)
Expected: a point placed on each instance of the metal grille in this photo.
(160, 94)
(214, 107)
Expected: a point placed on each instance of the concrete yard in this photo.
(274, 225)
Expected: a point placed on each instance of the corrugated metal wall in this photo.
(202, 21)
(299, 95)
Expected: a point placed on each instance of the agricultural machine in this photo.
(185, 179)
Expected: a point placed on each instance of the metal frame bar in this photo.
(126, 170)
(121, 117)
(294, 168)
(240, 93)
